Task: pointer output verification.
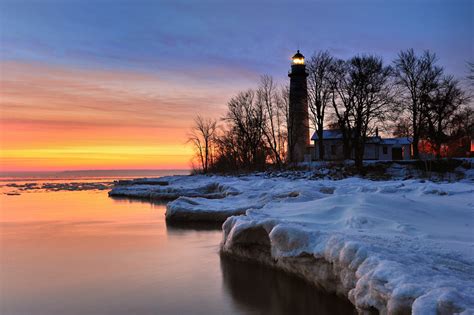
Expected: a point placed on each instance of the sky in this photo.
(116, 84)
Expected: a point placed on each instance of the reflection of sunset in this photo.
(57, 118)
(80, 252)
(89, 206)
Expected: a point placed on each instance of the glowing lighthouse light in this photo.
(298, 58)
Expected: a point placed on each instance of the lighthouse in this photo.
(298, 122)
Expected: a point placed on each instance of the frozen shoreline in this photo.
(394, 246)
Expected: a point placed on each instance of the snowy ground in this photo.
(396, 246)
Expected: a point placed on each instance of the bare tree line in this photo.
(252, 134)
(411, 97)
(203, 138)
(413, 93)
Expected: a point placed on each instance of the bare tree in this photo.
(418, 76)
(462, 131)
(463, 122)
(402, 128)
(202, 136)
(443, 105)
(272, 128)
(246, 118)
(342, 103)
(320, 90)
(283, 103)
(372, 94)
(362, 94)
(470, 76)
(227, 151)
(255, 129)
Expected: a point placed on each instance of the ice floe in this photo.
(18, 188)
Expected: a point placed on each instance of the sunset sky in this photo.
(115, 85)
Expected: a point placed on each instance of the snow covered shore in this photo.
(170, 188)
(395, 246)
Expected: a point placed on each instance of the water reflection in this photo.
(255, 288)
(147, 201)
(82, 252)
(260, 289)
(192, 226)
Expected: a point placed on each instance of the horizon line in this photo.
(94, 170)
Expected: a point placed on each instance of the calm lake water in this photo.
(81, 252)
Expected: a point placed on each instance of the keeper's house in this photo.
(376, 148)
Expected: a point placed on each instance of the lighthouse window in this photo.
(385, 150)
(298, 61)
(333, 149)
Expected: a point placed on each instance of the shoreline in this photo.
(304, 267)
(294, 270)
(335, 277)
(352, 237)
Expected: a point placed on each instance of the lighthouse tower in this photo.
(298, 124)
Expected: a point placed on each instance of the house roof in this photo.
(337, 134)
(375, 139)
(395, 141)
(328, 134)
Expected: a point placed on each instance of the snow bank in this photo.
(172, 187)
(215, 198)
(248, 193)
(397, 247)
(394, 246)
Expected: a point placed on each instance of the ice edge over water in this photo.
(394, 246)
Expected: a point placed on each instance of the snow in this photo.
(18, 188)
(391, 245)
(170, 187)
(396, 141)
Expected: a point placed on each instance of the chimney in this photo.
(376, 131)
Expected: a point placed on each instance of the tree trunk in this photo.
(346, 144)
(320, 143)
(346, 147)
(416, 153)
(358, 153)
(416, 136)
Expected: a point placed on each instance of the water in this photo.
(81, 252)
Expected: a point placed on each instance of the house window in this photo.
(385, 150)
(333, 149)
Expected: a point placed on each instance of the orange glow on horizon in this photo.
(102, 157)
(54, 118)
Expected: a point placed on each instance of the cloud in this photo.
(68, 116)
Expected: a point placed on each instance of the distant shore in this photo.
(65, 174)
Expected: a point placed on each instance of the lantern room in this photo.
(298, 58)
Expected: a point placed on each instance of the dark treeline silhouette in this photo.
(411, 97)
(252, 134)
